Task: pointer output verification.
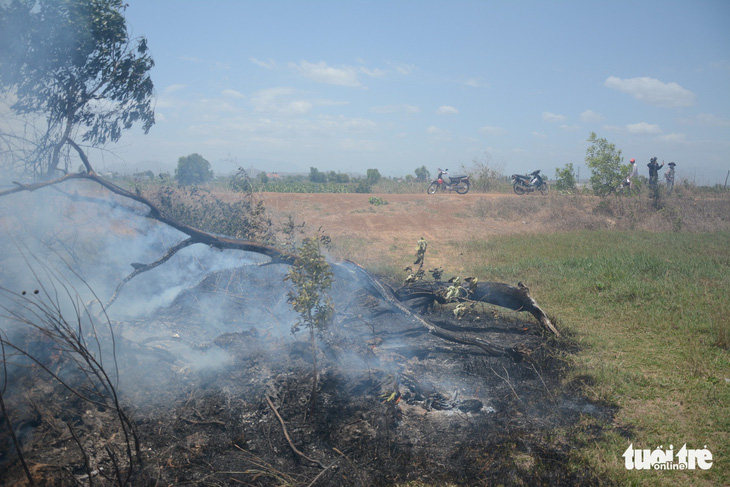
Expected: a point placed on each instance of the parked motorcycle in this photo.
(528, 183)
(445, 182)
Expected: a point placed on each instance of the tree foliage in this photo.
(422, 174)
(565, 179)
(193, 169)
(604, 161)
(312, 277)
(317, 176)
(73, 63)
(373, 176)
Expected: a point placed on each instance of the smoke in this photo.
(75, 243)
(202, 316)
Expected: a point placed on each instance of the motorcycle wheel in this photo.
(544, 189)
(519, 189)
(462, 187)
(433, 188)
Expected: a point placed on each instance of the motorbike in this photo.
(445, 182)
(528, 183)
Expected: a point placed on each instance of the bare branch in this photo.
(140, 268)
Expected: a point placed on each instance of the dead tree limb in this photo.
(288, 439)
(423, 294)
(140, 268)
(155, 213)
(388, 296)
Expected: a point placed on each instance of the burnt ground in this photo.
(395, 404)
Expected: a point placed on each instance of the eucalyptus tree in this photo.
(73, 66)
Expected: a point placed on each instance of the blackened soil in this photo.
(393, 403)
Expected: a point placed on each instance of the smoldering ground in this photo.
(199, 346)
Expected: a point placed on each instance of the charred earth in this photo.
(217, 387)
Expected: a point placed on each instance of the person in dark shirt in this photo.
(654, 171)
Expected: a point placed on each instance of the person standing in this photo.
(633, 174)
(669, 176)
(654, 171)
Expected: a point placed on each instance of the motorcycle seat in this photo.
(458, 177)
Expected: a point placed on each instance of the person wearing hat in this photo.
(654, 171)
(669, 176)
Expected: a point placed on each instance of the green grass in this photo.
(651, 312)
(651, 315)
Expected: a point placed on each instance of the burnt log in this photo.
(352, 271)
(423, 295)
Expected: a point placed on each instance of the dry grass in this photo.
(683, 212)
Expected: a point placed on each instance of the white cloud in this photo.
(491, 130)
(396, 109)
(475, 83)
(298, 107)
(539, 135)
(446, 110)
(404, 69)
(173, 88)
(652, 91)
(270, 64)
(268, 99)
(356, 124)
(643, 128)
(373, 73)
(322, 73)
(677, 138)
(214, 106)
(570, 128)
(589, 116)
(233, 94)
(553, 117)
(706, 120)
(438, 133)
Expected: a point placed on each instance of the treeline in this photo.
(195, 169)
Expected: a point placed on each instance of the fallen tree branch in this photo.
(518, 298)
(278, 256)
(197, 235)
(288, 439)
(140, 268)
(387, 294)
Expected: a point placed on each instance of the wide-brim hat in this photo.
(671, 164)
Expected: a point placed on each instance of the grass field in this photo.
(650, 313)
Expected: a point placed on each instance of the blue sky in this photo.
(393, 85)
